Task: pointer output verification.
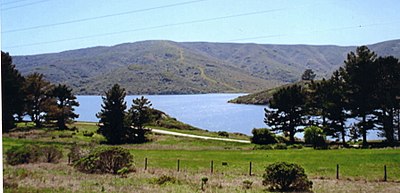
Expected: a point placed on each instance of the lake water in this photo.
(206, 111)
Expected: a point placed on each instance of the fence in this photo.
(250, 171)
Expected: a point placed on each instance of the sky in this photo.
(48, 26)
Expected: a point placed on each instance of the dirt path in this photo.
(197, 136)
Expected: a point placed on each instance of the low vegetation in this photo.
(286, 177)
(105, 160)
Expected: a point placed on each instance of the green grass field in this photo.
(356, 165)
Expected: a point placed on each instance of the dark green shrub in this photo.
(33, 153)
(105, 160)
(223, 133)
(281, 139)
(282, 176)
(165, 179)
(263, 147)
(280, 146)
(23, 154)
(296, 146)
(88, 134)
(51, 154)
(263, 137)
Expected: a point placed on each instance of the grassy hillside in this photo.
(166, 67)
(262, 97)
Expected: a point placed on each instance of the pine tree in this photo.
(139, 114)
(387, 92)
(12, 94)
(288, 109)
(63, 109)
(37, 99)
(359, 74)
(112, 116)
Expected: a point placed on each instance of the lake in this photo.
(206, 111)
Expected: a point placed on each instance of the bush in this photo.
(32, 153)
(165, 179)
(51, 154)
(223, 133)
(105, 160)
(263, 137)
(315, 136)
(263, 147)
(23, 154)
(282, 176)
(280, 146)
(296, 146)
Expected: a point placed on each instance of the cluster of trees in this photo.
(32, 95)
(367, 88)
(120, 126)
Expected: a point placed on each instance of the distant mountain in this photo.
(166, 67)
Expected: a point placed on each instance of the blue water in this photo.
(206, 111)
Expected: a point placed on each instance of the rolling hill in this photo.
(166, 67)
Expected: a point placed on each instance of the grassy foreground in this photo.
(360, 169)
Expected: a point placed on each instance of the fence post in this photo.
(212, 166)
(385, 175)
(250, 169)
(178, 165)
(145, 163)
(337, 171)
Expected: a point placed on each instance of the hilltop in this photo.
(166, 67)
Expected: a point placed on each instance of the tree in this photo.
(139, 114)
(315, 136)
(263, 137)
(387, 92)
(12, 94)
(63, 107)
(328, 100)
(112, 116)
(288, 109)
(37, 100)
(359, 74)
(308, 75)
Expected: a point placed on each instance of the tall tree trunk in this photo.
(388, 126)
(343, 132)
(364, 130)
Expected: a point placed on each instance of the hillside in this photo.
(166, 67)
(263, 97)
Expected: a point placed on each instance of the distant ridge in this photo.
(167, 67)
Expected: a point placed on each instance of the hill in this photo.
(166, 67)
(262, 97)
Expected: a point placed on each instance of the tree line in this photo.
(35, 97)
(48, 104)
(366, 88)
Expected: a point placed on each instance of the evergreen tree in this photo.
(112, 116)
(37, 100)
(288, 109)
(139, 114)
(387, 92)
(359, 74)
(63, 109)
(12, 94)
(308, 75)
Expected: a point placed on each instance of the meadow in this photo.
(360, 169)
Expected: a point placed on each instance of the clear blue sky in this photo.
(43, 26)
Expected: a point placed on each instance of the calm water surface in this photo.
(206, 111)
